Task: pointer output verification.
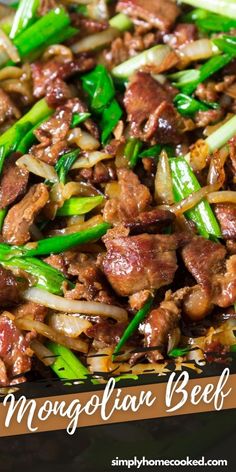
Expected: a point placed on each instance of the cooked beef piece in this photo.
(91, 284)
(87, 25)
(215, 275)
(160, 329)
(14, 352)
(150, 110)
(57, 93)
(137, 300)
(183, 33)
(7, 108)
(160, 14)
(9, 290)
(207, 92)
(226, 214)
(140, 262)
(203, 259)
(47, 75)
(151, 221)
(205, 118)
(30, 310)
(58, 262)
(16, 228)
(231, 246)
(106, 333)
(133, 199)
(13, 181)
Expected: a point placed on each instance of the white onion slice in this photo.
(9, 47)
(57, 303)
(83, 140)
(38, 167)
(199, 49)
(95, 41)
(69, 325)
(90, 159)
(42, 352)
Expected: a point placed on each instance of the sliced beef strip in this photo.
(14, 352)
(7, 108)
(151, 221)
(134, 198)
(160, 326)
(106, 333)
(183, 34)
(216, 276)
(134, 263)
(160, 14)
(46, 74)
(9, 289)
(30, 310)
(226, 214)
(13, 181)
(150, 110)
(16, 228)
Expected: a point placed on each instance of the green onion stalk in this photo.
(221, 7)
(24, 16)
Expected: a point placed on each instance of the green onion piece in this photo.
(29, 139)
(188, 106)
(58, 244)
(221, 7)
(154, 151)
(184, 183)
(132, 151)
(208, 21)
(209, 68)
(57, 38)
(78, 118)
(121, 22)
(155, 55)
(12, 137)
(46, 277)
(3, 213)
(80, 9)
(179, 352)
(64, 164)
(110, 117)
(79, 205)
(227, 44)
(99, 86)
(133, 325)
(67, 365)
(24, 16)
(233, 348)
(41, 31)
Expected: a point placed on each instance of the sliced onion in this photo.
(101, 360)
(38, 167)
(163, 181)
(224, 196)
(98, 10)
(216, 169)
(83, 140)
(231, 90)
(95, 41)
(11, 72)
(193, 199)
(199, 155)
(199, 49)
(9, 47)
(90, 159)
(45, 330)
(57, 303)
(95, 220)
(84, 189)
(42, 352)
(69, 325)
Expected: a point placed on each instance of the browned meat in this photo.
(13, 182)
(58, 262)
(9, 290)
(16, 228)
(216, 352)
(91, 283)
(150, 110)
(160, 14)
(215, 275)
(87, 25)
(184, 33)
(14, 353)
(105, 333)
(231, 246)
(203, 258)
(207, 92)
(7, 107)
(140, 262)
(226, 214)
(137, 300)
(51, 74)
(160, 329)
(205, 118)
(30, 310)
(133, 199)
(150, 221)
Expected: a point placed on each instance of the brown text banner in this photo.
(178, 396)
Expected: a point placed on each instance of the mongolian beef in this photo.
(117, 186)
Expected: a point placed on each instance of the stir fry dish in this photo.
(117, 187)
